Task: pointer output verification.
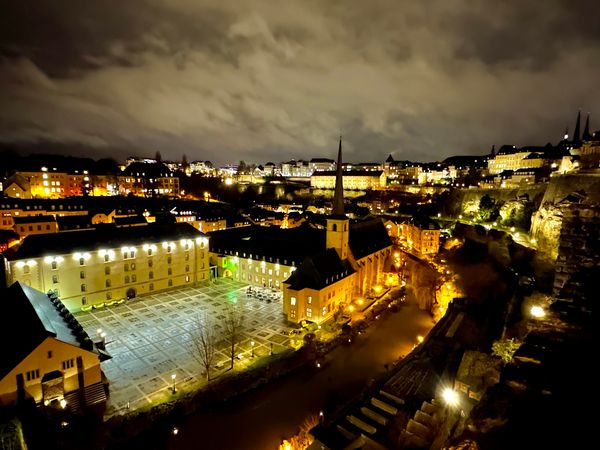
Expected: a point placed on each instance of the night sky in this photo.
(270, 80)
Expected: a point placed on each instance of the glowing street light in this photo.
(420, 339)
(537, 312)
(450, 396)
(174, 388)
(63, 403)
(175, 431)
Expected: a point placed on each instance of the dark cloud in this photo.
(229, 80)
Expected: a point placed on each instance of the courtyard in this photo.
(149, 339)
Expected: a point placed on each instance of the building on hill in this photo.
(47, 357)
(38, 224)
(353, 179)
(148, 180)
(91, 268)
(422, 235)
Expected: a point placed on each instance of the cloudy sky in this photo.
(275, 79)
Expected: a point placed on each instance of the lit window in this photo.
(293, 301)
(309, 299)
(54, 265)
(308, 312)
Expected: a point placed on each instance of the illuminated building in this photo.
(107, 264)
(47, 358)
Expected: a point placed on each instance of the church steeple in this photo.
(338, 196)
(338, 225)
(586, 131)
(576, 133)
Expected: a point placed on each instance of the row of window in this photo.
(109, 295)
(54, 264)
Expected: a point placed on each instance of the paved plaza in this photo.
(149, 339)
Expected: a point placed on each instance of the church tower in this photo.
(338, 224)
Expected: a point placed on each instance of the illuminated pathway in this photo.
(260, 419)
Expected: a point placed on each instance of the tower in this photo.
(576, 133)
(337, 223)
(586, 131)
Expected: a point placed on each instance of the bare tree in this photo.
(204, 340)
(233, 321)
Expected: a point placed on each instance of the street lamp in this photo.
(450, 396)
(537, 312)
(252, 344)
(63, 403)
(174, 388)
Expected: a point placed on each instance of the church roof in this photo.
(368, 236)
(319, 270)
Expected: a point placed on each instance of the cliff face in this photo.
(546, 224)
(562, 194)
(466, 201)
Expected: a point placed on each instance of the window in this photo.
(187, 278)
(309, 299)
(308, 312)
(324, 313)
(82, 275)
(55, 279)
(151, 286)
(107, 283)
(168, 249)
(133, 278)
(84, 300)
(170, 283)
(126, 267)
(107, 270)
(106, 257)
(33, 374)
(151, 275)
(149, 263)
(170, 271)
(83, 288)
(334, 227)
(132, 254)
(292, 314)
(132, 266)
(82, 261)
(25, 269)
(187, 268)
(68, 364)
(126, 278)
(49, 354)
(54, 265)
(149, 252)
(293, 301)
(169, 259)
(187, 256)
(108, 295)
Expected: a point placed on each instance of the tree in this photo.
(242, 167)
(506, 349)
(184, 162)
(204, 341)
(158, 157)
(233, 321)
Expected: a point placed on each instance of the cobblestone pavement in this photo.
(149, 339)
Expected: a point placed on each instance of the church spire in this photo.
(338, 197)
(586, 131)
(576, 133)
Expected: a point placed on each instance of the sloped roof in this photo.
(271, 243)
(319, 270)
(34, 219)
(37, 318)
(368, 236)
(104, 235)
